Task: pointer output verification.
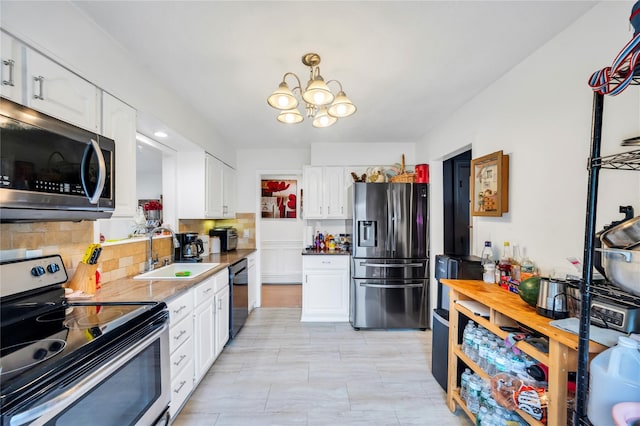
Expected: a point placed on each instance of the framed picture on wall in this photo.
(490, 185)
(278, 199)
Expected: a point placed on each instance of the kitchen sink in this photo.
(177, 271)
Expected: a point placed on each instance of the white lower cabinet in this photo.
(199, 319)
(252, 282)
(222, 299)
(181, 349)
(204, 326)
(325, 288)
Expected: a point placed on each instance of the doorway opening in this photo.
(457, 229)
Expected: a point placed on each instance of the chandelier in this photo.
(321, 105)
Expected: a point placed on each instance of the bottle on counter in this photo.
(488, 264)
(516, 263)
(321, 244)
(504, 264)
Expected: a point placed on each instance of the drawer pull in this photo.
(182, 357)
(180, 309)
(182, 333)
(208, 290)
(182, 383)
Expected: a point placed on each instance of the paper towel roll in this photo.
(308, 236)
(215, 244)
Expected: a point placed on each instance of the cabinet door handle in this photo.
(341, 209)
(40, 82)
(182, 357)
(328, 209)
(10, 63)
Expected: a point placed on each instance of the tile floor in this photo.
(279, 371)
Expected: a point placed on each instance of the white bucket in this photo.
(614, 377)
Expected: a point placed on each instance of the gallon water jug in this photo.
(614, 376)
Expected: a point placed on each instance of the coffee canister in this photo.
(422, 173)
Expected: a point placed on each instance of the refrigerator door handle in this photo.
(366, 284)
(392, 265)
(389, 248)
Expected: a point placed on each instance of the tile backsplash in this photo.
(118, 260)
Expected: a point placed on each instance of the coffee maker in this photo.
(190, 248)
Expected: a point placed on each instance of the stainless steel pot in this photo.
(622, 268)
(623, 236)
(552, 299)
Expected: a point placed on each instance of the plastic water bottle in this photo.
(473, 395)
(614, 376)
(482, 353)
(464, 384)
(467, 337)
(482, 415)
(491, 358)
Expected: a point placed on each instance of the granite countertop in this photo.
(306, 252)
(130, 290)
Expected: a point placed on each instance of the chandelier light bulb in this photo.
(342, 106)
(291, 116)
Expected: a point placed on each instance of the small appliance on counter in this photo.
(190, 249)
(228, 237)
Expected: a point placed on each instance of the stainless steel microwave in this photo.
(52, 170)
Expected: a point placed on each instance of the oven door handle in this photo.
(48, 409)
(102, 171)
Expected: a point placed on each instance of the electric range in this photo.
(50, 345)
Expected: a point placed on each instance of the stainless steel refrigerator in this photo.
(389, 281)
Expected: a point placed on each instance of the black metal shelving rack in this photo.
(624, 161)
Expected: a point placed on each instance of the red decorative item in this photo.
(292, 201)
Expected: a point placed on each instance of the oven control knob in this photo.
(37, 271)
(40, 354)
(55, 346)
(52, 268)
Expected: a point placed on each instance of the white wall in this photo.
(540, 114)
(362, 154)
(62, 32)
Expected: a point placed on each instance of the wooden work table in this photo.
(508, 309)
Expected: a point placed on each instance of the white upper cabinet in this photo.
(12, 65)
(119, 124)
(324, 193)
(207, 186)
(229, 192)
(58, 92)
(214, 187)
(36, 81)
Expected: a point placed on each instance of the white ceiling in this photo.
(406, 64)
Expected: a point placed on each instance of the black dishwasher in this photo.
(239, 296)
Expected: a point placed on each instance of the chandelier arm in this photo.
(335, 81)
(299, 87)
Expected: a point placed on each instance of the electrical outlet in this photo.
(246, 233)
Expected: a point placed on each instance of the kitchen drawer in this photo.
(181, 357)
(180, 307)
(180, 332)
(181, 387)
(204, 291)
(222, 280)
(325, 261)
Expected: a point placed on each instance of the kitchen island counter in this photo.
(130, 290)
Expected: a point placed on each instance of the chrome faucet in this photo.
(151, 262)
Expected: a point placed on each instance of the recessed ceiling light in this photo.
(160, 134)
